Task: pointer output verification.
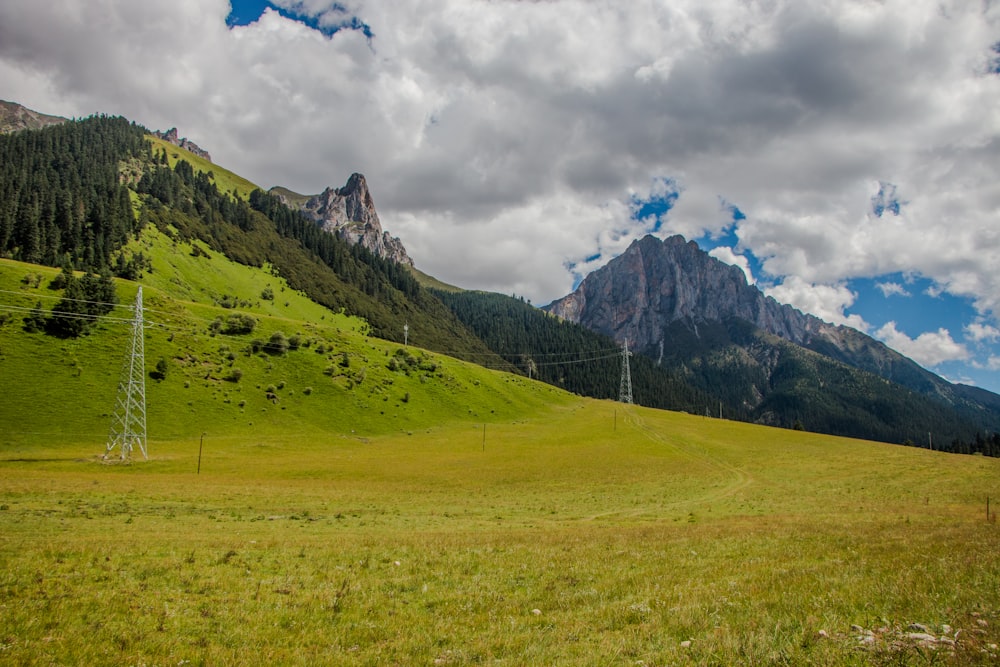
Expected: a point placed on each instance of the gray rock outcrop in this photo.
(349, 212)
(170, 136)
(14, 118)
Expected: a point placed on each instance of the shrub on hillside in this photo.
(278, 344)
(239, 323)
(160, 372)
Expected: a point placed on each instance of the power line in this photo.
(66, 315)
(553, 358)
(62, 298)
(465, 355)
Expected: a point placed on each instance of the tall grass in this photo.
(572, 536)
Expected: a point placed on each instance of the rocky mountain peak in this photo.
(654, 283)
(670, 295)
(349, 212)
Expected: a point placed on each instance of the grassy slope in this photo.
(79, 377)
(224, 179)
(293, 198)
(430, 282)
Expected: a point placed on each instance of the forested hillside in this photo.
(63, 192)
(70, 195)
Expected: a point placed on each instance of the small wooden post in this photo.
(200, 446)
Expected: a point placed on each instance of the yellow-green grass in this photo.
(430, 282)
(225, 180)
(588, 533)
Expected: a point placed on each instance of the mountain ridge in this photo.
(675, 303)
(170, 136)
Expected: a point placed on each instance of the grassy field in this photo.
(588, 533)
(351, 502)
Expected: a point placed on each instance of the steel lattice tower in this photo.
(128, 423)
(625, 388)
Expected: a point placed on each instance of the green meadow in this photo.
(348, 501)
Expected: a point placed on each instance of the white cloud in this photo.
(828, 302)
(980, 332)
(892, 289)
(726, 254)
(928, 349)
(503, 140)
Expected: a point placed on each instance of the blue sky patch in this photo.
(886, 200)
(245, 12)
(907, 301)
(658, 204)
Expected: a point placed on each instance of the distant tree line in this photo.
(568, 355)
(987, 445)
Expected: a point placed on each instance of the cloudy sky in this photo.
(846, 153)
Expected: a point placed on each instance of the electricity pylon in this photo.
(128, 422)
(625, 388)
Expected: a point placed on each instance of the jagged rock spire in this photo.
(349, 212)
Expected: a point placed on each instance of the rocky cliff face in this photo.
(170, 136)
(349, 212)
(654, 283)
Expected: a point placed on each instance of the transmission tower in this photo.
(625, 388)
(128, 423)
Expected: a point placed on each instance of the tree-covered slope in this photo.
(63, 191)
(782, 384)
(566, 354)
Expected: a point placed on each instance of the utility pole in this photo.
(406, 335)
(128, 421)
(625, 387)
